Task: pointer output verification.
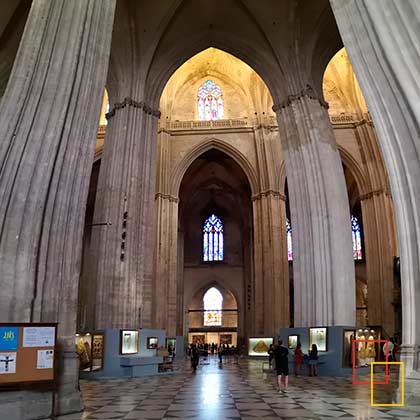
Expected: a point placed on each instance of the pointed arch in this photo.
(206, 145)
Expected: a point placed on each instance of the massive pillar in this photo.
(379, 232)
(124, 219)
(48, 122)
(382, 39)
(165, 288)
(323, 267)
(271, 274)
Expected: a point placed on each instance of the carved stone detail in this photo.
(131, 102)
(307, 91)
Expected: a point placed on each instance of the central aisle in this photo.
(235, 391)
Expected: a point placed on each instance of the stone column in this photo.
(124, 218)
(271, 275)
(165, 275)
(379, 231)
(49, 118)
(382, 39)
(323, 267)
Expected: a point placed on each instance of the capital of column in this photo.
(169, 197)
(307, 91)
(267, 193)
(370, 194)
(135, 104)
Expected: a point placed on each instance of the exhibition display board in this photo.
(259, 346)
(27, 352)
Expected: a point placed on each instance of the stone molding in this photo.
(307, 91)
(169, 197)
(370, 194)
(131, 102)
(267, 193)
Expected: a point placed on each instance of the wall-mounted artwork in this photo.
(152, 343)
(259, 346)
(318, 336)
(129, 342)
(292, 341)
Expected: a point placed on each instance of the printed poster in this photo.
(38, 337)
(7, 362)
(45, 359)
(9, 338)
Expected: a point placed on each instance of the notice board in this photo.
(27, 352)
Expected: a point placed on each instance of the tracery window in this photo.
(289, 240)
(213, 242)
(213, 301)
(210, 101)
(357, 238)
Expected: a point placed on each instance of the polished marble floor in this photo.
(235, 391)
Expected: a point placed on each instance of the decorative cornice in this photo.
(131, 102)
(169, 197)
(267, 193)
(307, 91)
(370, 194)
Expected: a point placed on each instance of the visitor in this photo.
(220, 354)
(195, 358)
(270, 354)
(313, 361)
(282, 365)
(298, 358)
(390, 356)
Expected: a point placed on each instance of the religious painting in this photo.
(226, 339)
(348, 337)
(318, 336)
(198, 339)
(152, 343)
(292, 341)
(129, 342)
(97, 351)
(259, 346)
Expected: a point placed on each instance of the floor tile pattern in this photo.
(234, 392)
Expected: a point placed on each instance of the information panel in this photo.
(27, 352)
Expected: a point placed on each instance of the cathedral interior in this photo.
(182, 177)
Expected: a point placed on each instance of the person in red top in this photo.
(298, 358)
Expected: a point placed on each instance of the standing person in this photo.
(270, 354)
(298, 358)
(195, 358)
(282, 365)
(390, 350)
(313, 361)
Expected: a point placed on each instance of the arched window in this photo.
(213, 239)
(210, 102)
(357, 238)
(213, 301)
(289, 240)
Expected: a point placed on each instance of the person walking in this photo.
(282, 365)
(195, 358)
(313, 361)
(298, 358)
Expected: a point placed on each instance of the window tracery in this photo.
(213, 240)
(210, 101)
(213, 301)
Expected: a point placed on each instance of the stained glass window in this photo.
(213, 239)
(357, 238)
(213, 301)
(289, 240)
(210, 101)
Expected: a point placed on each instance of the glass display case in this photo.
(129, 342)
(367, 352)
(292, 341)
(318, 336)
(152, 343)
(259, 346)
(90, 348)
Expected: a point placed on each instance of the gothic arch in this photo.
(206, 145)
(355, 169)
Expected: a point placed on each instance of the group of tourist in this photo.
(204, 349)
